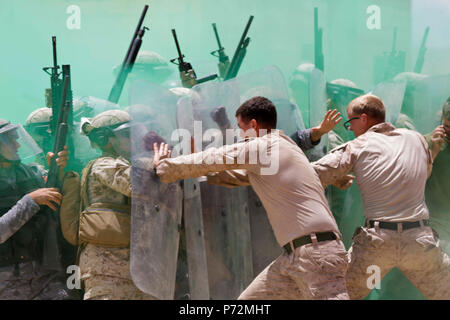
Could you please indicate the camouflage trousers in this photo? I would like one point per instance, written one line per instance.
(442, 227)
(313, 271)
(26, 281)
(415, 252)
(105, 273)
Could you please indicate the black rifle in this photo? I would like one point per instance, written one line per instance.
(395, 60)
(187, 73)
(422, 50)
(52, 251)
(129, 60)
(56, 86)
(318, 48)
(224, 61)
(239, 54)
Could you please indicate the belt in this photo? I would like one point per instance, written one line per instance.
(398, 225)
(323, 236)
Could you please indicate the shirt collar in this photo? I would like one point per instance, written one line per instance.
(382, 127)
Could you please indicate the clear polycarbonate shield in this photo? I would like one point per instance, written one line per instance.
(86, 108)
(426, 101)
(230, 237)
(391, 93)
(156, 207)
(317, 110)
(16, 144)
(90, 106)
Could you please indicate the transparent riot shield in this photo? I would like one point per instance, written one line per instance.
(225, 221)
(391, 93)
(426, 101)
(156, 207)
(16, 144)
(238, 235)
(86, 108)
(317, 110)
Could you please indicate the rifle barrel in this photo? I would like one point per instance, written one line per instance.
(425, 37)
(217, 36)
(180, 56)
(394, 40)
(316, 19)
(141, 20)
(55, 63)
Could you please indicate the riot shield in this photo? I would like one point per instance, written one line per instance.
(426, 101)
(86, 108)
(226, 227)
(237, 240)
(317, 110)
(156, 207)
(391, 93)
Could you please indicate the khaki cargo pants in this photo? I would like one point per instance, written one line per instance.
(416, 252)
(312, 271)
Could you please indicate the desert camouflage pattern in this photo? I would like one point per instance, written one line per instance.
(314, 271)
(416, 252)
(105, 272)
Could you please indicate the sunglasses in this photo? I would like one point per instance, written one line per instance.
(347, 123)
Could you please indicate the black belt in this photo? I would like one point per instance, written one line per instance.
(394, 225)
(323, 236)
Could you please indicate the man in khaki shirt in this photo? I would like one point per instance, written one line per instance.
(314, 262)
(391, 167)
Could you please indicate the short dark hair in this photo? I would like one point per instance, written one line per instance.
(150, 138)
(261, 109)
(370, 105)
(446, 109)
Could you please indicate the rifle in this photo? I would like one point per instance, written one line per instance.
(187, 73)
(55, 97)
(318, 47)
(52, 251)
(129, 60)
(55, 87)
(422, 50)
(239, 54)
(224, 61)
(396, 60)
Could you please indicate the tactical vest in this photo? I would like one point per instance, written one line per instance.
(103, 224)
(26, 243)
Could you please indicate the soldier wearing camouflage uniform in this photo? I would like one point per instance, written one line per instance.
(105, 271)
(22, 225)
(438, 185)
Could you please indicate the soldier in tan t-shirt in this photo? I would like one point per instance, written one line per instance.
(391, 167)
(314, 262)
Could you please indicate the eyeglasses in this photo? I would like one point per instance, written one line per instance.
(347, 123)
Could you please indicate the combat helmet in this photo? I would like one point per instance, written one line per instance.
(106, 125)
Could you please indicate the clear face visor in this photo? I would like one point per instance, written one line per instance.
(17, 144)
(121, 141)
